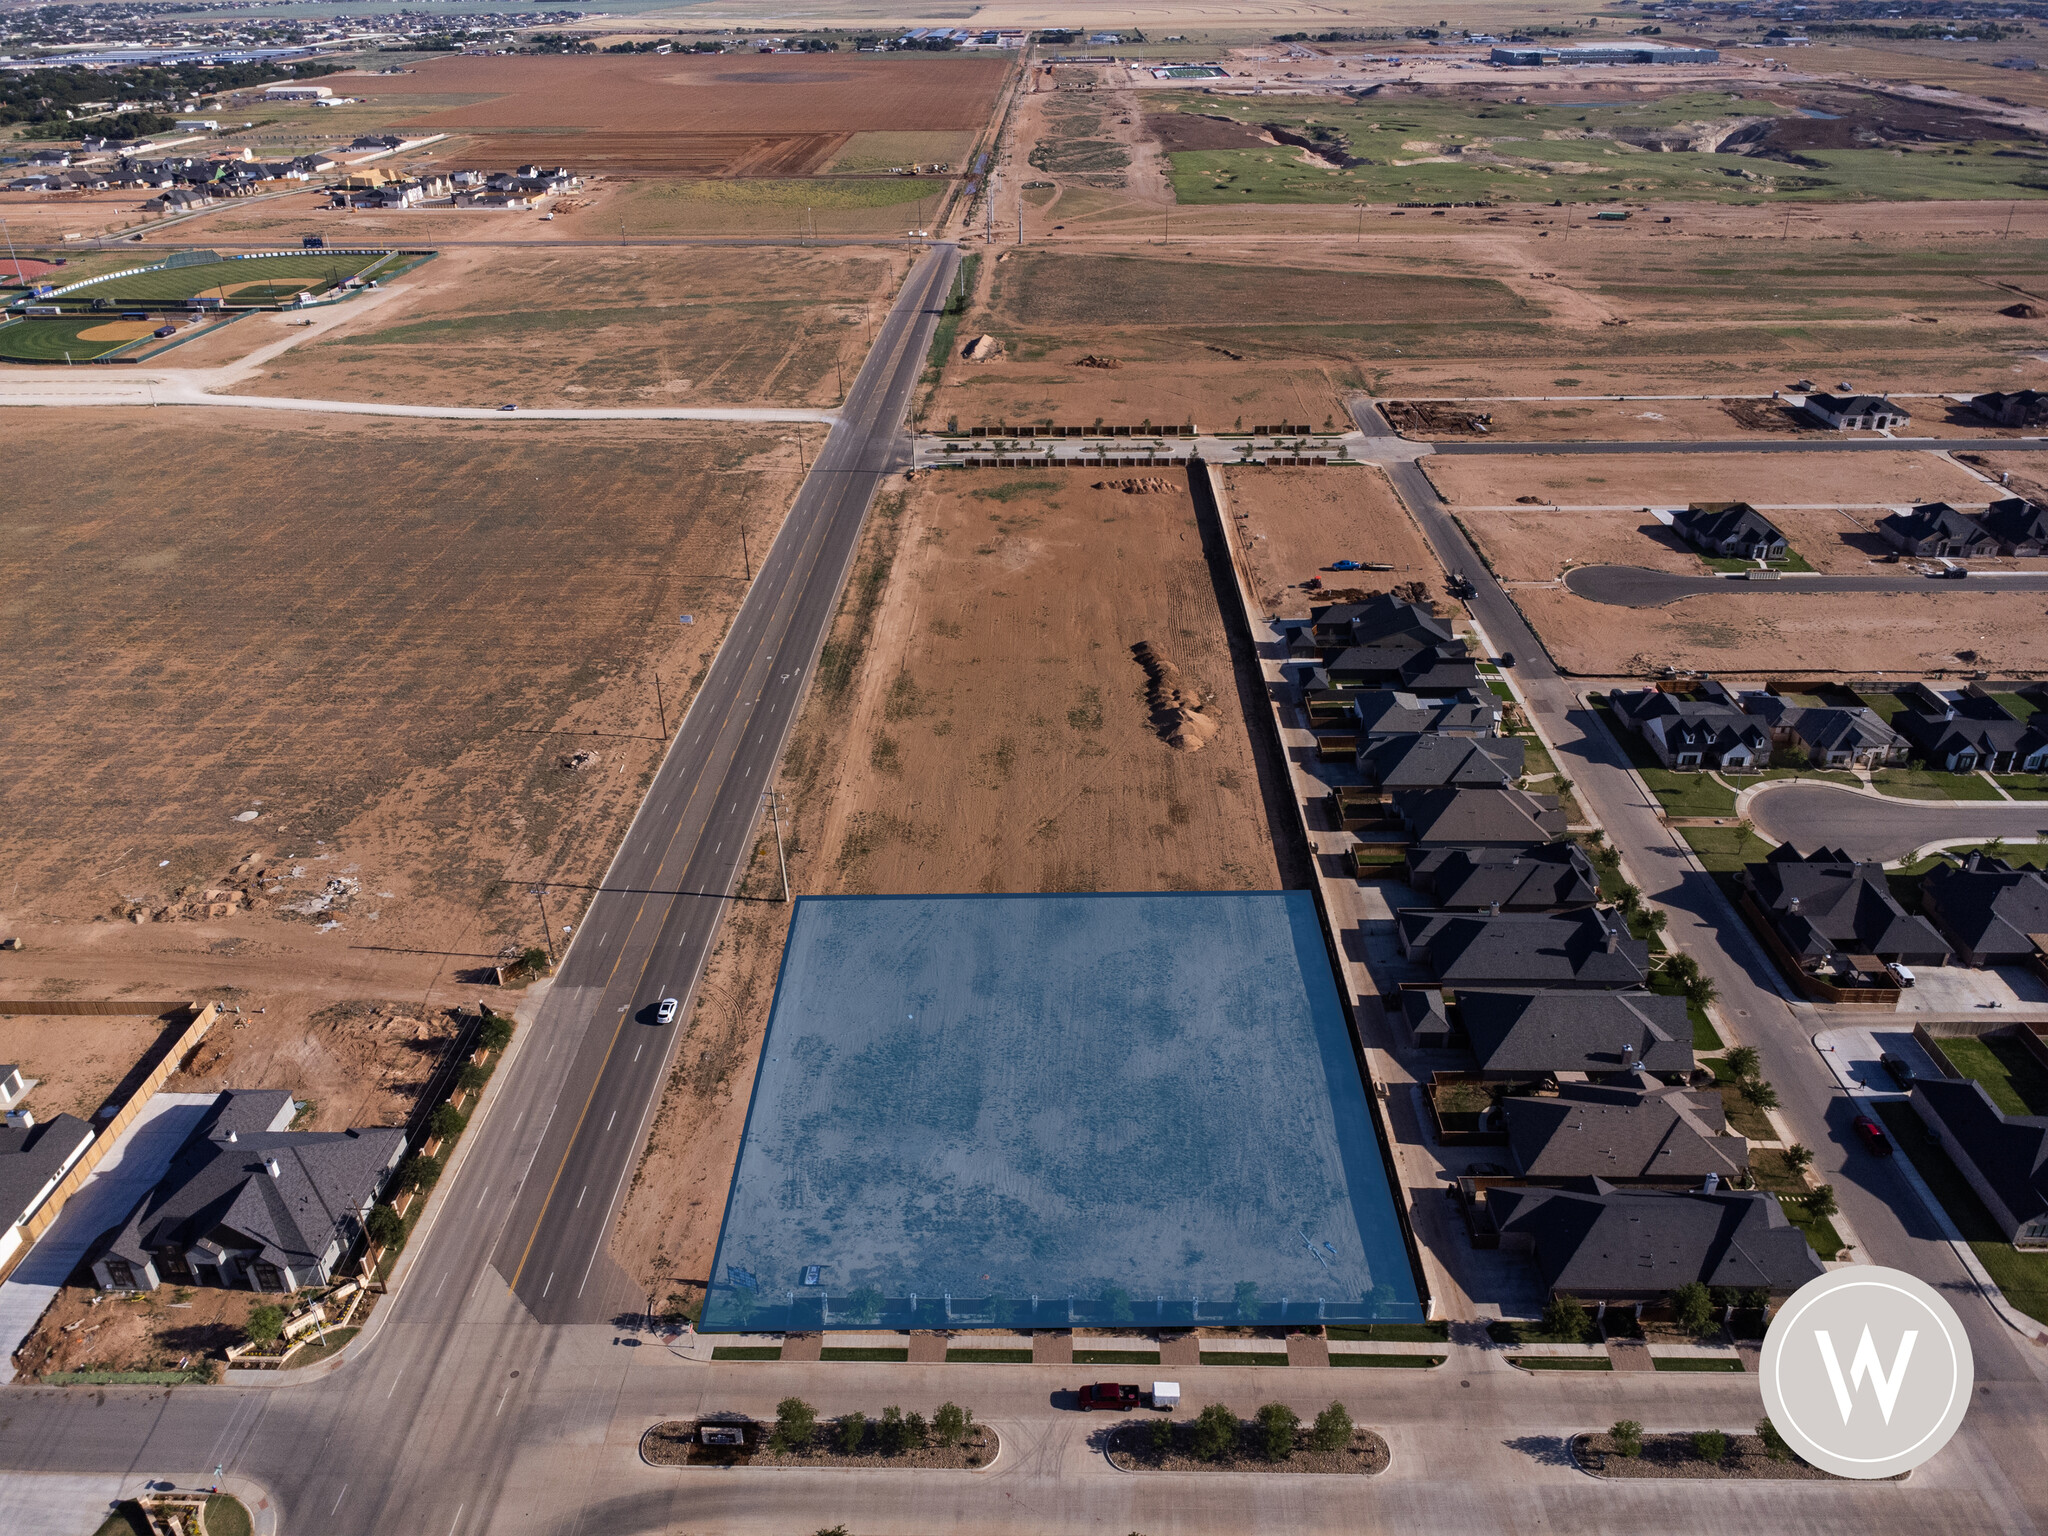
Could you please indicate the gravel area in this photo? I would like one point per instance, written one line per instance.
(675, 1444)
(1127, 1447)
(1673, 1456)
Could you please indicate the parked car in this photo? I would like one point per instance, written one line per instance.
(508, 407)
(666, 1013)
(165, 330)
(1902, 974)
(1109, 1394)
(1900, 1069)
(1872, 1135)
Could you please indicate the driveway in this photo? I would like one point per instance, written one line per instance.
(1880, 827)
(1636, 586)
(1855, 1054)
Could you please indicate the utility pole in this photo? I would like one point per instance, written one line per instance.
(801, 467)
(2009, 207)
(744, 556)
(1020, 215)
(540, 894)
(659, 705)
(774, 816)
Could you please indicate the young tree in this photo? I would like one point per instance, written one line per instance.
(1744, 1062)
(1701, 991)
(471, 1078)
(1774, 1443)
(1627, 1436)
(1693, 1308)
(915, 1429)
(1797, 1157)
(892, 1435)
(265, 1324)
(445, 1121)
(1565, 1318)
(1333, 1429)
(1215, 1433)
(418, 1172)
(1760, 1093)
(384, 1225)
(950, 1424)
(1278, 1424)
(1710, 1445)
(495, 1033)
(853, 1432)
(796, 1425)
(1820, 1201)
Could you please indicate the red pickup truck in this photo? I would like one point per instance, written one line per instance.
(1110, 1394)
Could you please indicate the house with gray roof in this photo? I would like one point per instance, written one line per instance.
(1346, 721)
(1439, 762)
(2012, 408)
(247, 1203)
(1987, 909)
(2019, 525)
(34, 1158)
(1546, 877)
(1856, 413)
(1965, 733)
(1477, 818)
(1583, 950)
(1646, 1135)
(1518, 1035)
(1601, 1243)
(1830, 737)
(1730, 528)
(2003, 1157)
(1934, 530)
(1825, 903)
(1692, 733)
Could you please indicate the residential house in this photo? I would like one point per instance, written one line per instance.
(247, 1203)
(1858, 413)
(1626, 1135)
(2019, 525)
(1826, 903)
(1987, 910)
(1383, 643)
(1545, 877)
(1692, 733)
(1344, 719)
(1830, 737)
(1394, 763)
(2016, 408)
(1602, 1244)
(1937, 530)
(1969, 732)
(1585, 950)
(1730, 528)
(34, 1158)
(1477, 818)
(1517, 1035)
(2003, 1157)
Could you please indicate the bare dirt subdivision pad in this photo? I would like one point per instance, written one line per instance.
(1129, 1448)
(76, 1062)
(1539, 543)
(1679, 479)
(1668, 1456)
(1295, 522)
(1771, 633)
(678, 1444)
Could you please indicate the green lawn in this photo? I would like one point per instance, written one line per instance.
(829, 1353)
(1774, 1174)
(1561, 1362)
(1116, 1357)
(2018, 705)
(2023, 1277)
(746, 1352)
(1704, 1036)
(49, 341)
(2024, 786)
(988, 1356)
(1688, 794)
(226, 1516)
(1695, 1363)
(1391, 1333)
(281, 276)
(2017, 1083)
(1385, 1362)
(1931, 784)
(1884, 705)
(1226, 1357)
(1724, 850)
(1511, 1332)
(1793, 562)
(1744, 1118)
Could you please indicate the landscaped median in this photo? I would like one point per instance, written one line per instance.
(950, 1442)
(1273, 1440)
(1710, 1455)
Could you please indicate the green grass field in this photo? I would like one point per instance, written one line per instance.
(1427, 152)
(48, 341)
(279, 279)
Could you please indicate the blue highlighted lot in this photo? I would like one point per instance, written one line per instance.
(1053, 1111)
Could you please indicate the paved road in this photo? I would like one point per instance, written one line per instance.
(1635, 586)
(648, 933)
(1751, 445)
(1874, 827)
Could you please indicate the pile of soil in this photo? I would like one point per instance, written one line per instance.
(1147, 485)
(1673, 1456)
(1130, 1449)
(981, 349)
(2022, 311)
(1177, 713)
(1092, 361)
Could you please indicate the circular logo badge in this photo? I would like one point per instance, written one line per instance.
(1866, 1372)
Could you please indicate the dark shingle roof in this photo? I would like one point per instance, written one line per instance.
(2010, 1152)
(1530, 1034)
(1515, 949)
(2016, 520)
(1477, 817)
(1596, 1240)
(1590, 1130)
(1824, 904)
(31, 1157)
(1989, 910)
(1396, 712)
(1433, 761)
(1712, 524)
(1543, 877)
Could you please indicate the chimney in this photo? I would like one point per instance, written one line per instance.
(1628, 1058)
(1493, 909)
(1614, 938)
(1712, 1185)
(270, 1166)
(1976, 858)
(233, 1137)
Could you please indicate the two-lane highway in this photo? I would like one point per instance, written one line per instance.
(649, 931)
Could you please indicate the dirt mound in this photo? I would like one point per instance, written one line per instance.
(2022, 311)
(1149, 485)
(1092, 361)
(1178, 713)
(981, 349)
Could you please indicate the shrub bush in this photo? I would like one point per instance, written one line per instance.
(1159, 1434)
(1710, 1445)
(796, 1425)
(1565, 1317)
(1774, 1443)
(1277, 1426)
(418, 1172)
(853, 1433)
(265, 1324)
(951, 1424)
(445, 1121)
(384, 1225)
(471, 1078)
(1333, 1429)
(1693, 1308)
(1214, 1434)
(1627, 1436)
(495, 1033)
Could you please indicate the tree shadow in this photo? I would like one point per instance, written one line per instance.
(1545, 1450)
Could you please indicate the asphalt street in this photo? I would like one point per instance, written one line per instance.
(1874, 827)
(1635, 586)
(650, 929)
(1757, 445)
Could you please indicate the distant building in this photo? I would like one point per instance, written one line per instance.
(2017, 408)
(1604, 53)
(1732, 528)
(1988, 910)
(1935, 529)
(1859, 413)
(1969, 732)
(2004, 1158)
(296, 92)
(2020, 526)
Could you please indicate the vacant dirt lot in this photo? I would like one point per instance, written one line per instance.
(380, 642)
(979, 723)
(171, 1329)
(1293, 522)
(553, 327)
(676, 114)
(1849, 633)
(1678, 479)
(76, 1062)
(1540, 544)
(1613, 421)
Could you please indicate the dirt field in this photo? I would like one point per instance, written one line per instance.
(383, 639)
(1678, 479)
(993, 735)
(1613, 421)
(1540, 544)
(1850, 633)
(640, 115)
(1293, 522)
(166, 1330)
(597, 328)
(75, 1061)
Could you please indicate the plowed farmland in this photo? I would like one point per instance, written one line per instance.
(647, 115)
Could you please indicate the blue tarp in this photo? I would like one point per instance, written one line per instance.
(1019, 1111)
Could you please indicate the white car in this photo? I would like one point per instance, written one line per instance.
(666, 1013)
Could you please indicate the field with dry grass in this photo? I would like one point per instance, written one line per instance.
(1679, 479)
